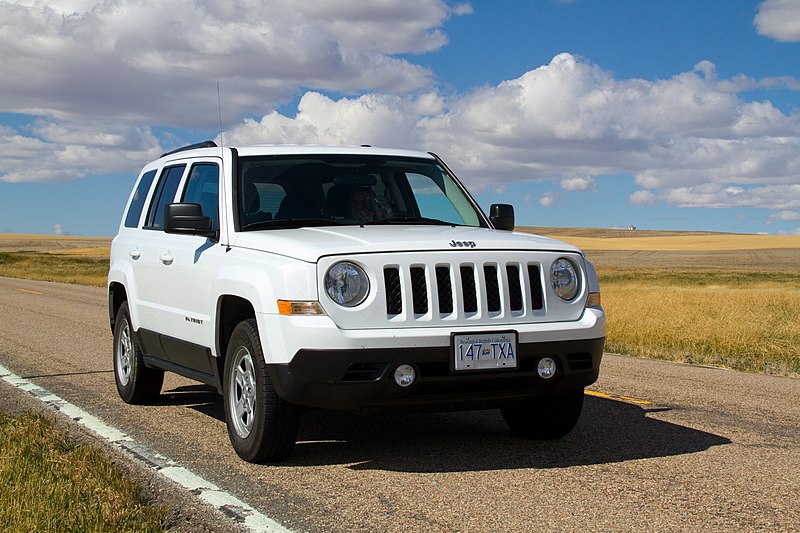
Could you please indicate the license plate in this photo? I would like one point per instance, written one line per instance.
(485, 351)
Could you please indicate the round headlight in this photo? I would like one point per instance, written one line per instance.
(347, 284)
(564, 279)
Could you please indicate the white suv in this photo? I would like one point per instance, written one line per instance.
(352, 278)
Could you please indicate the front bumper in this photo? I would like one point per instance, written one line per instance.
(363, 379)
(314, 363)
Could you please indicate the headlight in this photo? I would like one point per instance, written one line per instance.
(347, 284)
(564, 279)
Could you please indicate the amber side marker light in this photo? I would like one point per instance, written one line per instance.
(593, 300)
(290, 308)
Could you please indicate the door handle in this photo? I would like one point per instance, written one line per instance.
(166, 258)
(135, 254)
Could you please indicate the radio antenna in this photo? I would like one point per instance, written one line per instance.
(219, 109)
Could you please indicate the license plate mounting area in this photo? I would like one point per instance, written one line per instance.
(485, 351)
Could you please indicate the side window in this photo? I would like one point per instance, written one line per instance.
(137, 202)
(432, 200)
(202, 187)
(164, 194)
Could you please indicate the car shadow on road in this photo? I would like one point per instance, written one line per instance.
(202, 398)
(609, 431)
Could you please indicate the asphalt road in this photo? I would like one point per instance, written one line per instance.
(706, 449)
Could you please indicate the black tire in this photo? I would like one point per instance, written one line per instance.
(136, 383)
(262, 426)
(545, 417)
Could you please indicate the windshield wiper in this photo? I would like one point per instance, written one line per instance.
(410, 220)
(290, 223)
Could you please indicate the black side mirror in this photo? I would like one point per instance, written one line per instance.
(188, 219)
(502, 216)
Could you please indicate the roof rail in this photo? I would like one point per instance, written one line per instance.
(205, 144)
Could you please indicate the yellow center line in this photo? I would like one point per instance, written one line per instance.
(608, 396)
(29, 292)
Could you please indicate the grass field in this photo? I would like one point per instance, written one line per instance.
(709, 298)
(49, 483)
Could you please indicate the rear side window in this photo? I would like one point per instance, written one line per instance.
(165, 194)
(137, 202)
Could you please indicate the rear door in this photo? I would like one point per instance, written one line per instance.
(146, 250)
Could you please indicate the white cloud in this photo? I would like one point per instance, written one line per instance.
(689, 140)
(61, 151)
(779, 19)
(380, 120)
(785, 216)
(547, 200)
(58, 229)
(141, 61)
(772, 197)
(578, 183)
(642, 198)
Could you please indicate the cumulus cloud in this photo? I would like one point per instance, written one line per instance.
(547, 200)
(689, 140)
(62, 151)
(785, 215)
(642, 198)
(779, 19)
(158, 62)
(376, 119)
(578, 183)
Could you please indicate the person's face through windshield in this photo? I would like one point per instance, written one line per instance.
(360, 205)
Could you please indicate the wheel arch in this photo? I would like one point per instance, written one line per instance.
(117, 295)
(231, 310)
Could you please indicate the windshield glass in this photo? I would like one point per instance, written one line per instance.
(322, 190)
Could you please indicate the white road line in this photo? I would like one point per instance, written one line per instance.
(206, 491)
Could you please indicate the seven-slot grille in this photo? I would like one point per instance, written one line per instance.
(466, 289)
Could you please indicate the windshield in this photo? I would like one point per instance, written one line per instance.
(323, 190)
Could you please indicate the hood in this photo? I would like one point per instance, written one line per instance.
(310, 244)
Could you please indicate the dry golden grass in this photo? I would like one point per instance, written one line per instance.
(745, 320)
(101, 251)
(689, 243)
(17, 242)
(53, 267)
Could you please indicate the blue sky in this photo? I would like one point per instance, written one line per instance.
(660, 114)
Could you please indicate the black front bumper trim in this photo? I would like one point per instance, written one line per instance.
(363, 379)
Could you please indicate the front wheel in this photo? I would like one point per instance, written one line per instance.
(545, 417)
(262, 426)
(136, 383)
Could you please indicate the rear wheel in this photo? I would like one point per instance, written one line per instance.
(545, 417)
(262, 427)
(135, 382)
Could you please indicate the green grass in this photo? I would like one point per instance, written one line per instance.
(50, 483)
(53, 267)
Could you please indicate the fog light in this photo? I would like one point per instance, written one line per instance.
(405, 375)
(546, 368)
